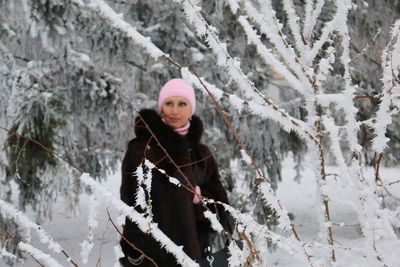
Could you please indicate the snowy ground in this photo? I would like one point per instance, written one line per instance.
(299, 199)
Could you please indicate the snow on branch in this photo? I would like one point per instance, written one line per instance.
(280, 116)
(340, 18)
(390, 62)
(311, 16)
(269, 25)
(87, 245)
(293, 21)
(39, 255)
(269, 57)
(272, 110)
(116, 20)
(224, 59)
(291, 245)
(352, 126)
(5, 253)
(333, 133)
(144, 224)
(8, 211)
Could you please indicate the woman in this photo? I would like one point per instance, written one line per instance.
(177, 211)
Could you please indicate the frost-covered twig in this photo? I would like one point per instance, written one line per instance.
(129, 242)
(101, 243)
(144, 224)
(224, 59)
(268, 56)
(42, 258)
(273, 111)
(311, 17)
(17, 163)
(321, 181)
(290, 244)
(116, 20)
(390, 61)
(87, 245)
(269, 25)
(352, 127)
(362, 52)
(8, 211)
(287, 122)
(263, 184)
(293, 21)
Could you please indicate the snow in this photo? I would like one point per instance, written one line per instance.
(297, 198)
(358, 217)
(117, 21)
(43, 258)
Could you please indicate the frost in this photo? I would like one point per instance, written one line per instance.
(43, 258)
(215, 224)
(245, 157)
(7, 211)
(107, 12)
(174, 181)
(118, 254)
(86, 249)
(5, 253)
(298, 53)
(142, 222)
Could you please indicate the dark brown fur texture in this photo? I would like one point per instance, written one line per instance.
(181, 220)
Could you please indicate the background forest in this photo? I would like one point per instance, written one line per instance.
(292, 77)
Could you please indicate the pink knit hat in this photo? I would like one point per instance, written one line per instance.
(177, 87)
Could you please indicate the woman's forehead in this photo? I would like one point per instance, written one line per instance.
(176, 99)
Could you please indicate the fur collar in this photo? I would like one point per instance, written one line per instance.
(172, 141)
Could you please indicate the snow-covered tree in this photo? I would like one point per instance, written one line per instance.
(285, 76)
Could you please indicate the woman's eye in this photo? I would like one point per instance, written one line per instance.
(168, 103)
(182, 104)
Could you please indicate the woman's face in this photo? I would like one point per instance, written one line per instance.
(176, 111)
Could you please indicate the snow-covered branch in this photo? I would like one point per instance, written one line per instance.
(269, 25)
(280, 116)
(144, 224)
(294, 21)
(117, 21)
(8, 211)
(269, 57)
(38, 255)
(311, 16)
(390, 61)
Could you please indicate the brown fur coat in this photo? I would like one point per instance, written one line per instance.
(181, 220)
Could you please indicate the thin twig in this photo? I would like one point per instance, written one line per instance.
(395, 182)
(260, 175)
(377, 167)
(254, 254)
(45, 148)
(318, 126)
(13, 237)
(52, 152)
(98, 264)
(370, 97)
(189, 185)
(377, 255)
(17, 163)
(367, 46)
(130, 243)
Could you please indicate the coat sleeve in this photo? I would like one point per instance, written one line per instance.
(214, 189)
(133, 158)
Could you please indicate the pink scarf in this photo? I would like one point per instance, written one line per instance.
(183, 130)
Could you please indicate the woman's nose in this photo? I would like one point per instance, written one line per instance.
(175, 109)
